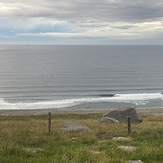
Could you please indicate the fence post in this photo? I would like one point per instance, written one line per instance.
(49, 122)
(129, 124)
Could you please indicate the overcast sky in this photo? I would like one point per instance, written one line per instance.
(81, 22)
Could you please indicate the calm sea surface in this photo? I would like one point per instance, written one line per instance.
(39, 77)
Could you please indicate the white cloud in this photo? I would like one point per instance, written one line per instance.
(6, 8)
(105, 29)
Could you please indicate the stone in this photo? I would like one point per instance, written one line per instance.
(108, 120)
(73, 125)
(134, 161)
(72, 139)
(122, 114)
(127, 148)
(33, 150)
(95, 152)
(121, 139)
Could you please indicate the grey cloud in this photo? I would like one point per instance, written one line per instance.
(105, 10)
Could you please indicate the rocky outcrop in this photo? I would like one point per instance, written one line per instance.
(122, 114)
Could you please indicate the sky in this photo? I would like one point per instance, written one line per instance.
(81, 22)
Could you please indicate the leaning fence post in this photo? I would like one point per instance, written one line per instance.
(49, 122)
(129, 124)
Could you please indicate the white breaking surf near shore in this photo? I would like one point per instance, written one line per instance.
(136, 99)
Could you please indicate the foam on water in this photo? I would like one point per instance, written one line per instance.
(137, 99)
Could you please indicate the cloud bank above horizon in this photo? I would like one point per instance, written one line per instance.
(81, 22)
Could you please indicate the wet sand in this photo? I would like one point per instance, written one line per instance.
(156, 111)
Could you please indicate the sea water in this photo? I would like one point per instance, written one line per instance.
(41, 77)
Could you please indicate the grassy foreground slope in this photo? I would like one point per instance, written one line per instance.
(18, 133)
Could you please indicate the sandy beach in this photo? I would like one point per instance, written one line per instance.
(156, 111)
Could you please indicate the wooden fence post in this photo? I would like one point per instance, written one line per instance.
(49, 122)
(129, 124)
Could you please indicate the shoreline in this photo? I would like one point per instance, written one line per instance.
(156, 111)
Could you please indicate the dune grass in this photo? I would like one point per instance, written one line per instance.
(18, 133)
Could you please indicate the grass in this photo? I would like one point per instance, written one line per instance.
(20, 132)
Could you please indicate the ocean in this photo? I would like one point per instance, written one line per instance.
(42, 77)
